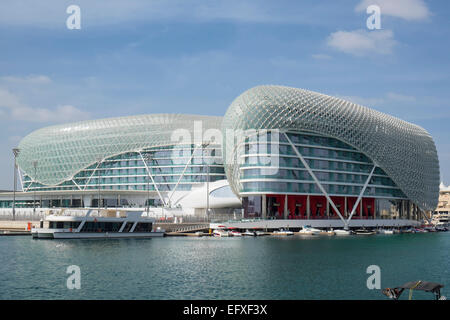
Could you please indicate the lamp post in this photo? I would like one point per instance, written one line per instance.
(35, 163)
(204, 145)
(148, 157)
(99, 160)
(16, 153)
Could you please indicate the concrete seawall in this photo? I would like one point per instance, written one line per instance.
(17, 225)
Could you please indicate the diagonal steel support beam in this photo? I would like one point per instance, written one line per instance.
(93, 172)
(76, 184)
(151, 177)
(20, 178)
(305, 164)
(361, 194)
(184, 170)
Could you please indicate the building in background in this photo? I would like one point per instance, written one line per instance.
(336, 160)
(441, 215)
(287, 156)
(138, 161)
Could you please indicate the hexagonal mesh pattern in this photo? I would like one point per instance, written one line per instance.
(406, 152)
(63, 150)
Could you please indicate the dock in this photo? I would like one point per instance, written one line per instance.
(16, 228)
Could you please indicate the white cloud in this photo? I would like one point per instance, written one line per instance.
(11, 107)
(405, 9)
(362, 42)
(30, 79)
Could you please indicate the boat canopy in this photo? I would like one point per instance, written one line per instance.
(434, 287)
(422, 285)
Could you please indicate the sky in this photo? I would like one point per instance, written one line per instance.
(196, 56)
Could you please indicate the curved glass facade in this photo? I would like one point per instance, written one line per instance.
(291, 154)
(341, 169)
(56, 154)
(128, 171)
(344, 142)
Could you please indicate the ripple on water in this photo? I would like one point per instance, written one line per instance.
(211, 268)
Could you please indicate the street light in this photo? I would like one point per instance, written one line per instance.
(148, 157)
(35, 163)
(16, 153)
(99, 160)
(204, 145)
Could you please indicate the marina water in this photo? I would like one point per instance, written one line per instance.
(294, 267)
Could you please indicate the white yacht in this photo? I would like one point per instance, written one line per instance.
(441, 219)
(259, 233)
(364, 232)
(282, 232)
(220, 233)
(385, 231)
(249, 233)
(308, 230)
(342, 232)
(97, 224)
(235, 233)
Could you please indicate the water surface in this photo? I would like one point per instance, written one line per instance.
(221, 268)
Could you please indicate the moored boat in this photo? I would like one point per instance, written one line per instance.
(342, 232)
(364, 232)
(282, 232)
(385, 231)
(308, 230)
(97, 224)
(249, 233)
(220, 233)
(259, 233)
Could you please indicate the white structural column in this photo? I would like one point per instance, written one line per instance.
(305, 164)
(361, 195)
(151, 177)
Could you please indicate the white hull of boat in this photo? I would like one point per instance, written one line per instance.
(95, 235)
(283, 233)
(342, 232)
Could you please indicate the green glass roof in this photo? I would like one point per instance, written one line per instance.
(62, 151)
(405, 151)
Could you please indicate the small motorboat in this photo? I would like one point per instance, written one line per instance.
(364, 232)
(249, 233)
(282, 232)
(220, 233)
(342, 232)
(433, 287)
(385, 231)
(235, 233)
(308, 230)
(259, 233)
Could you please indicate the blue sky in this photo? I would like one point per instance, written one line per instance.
(180, 56)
